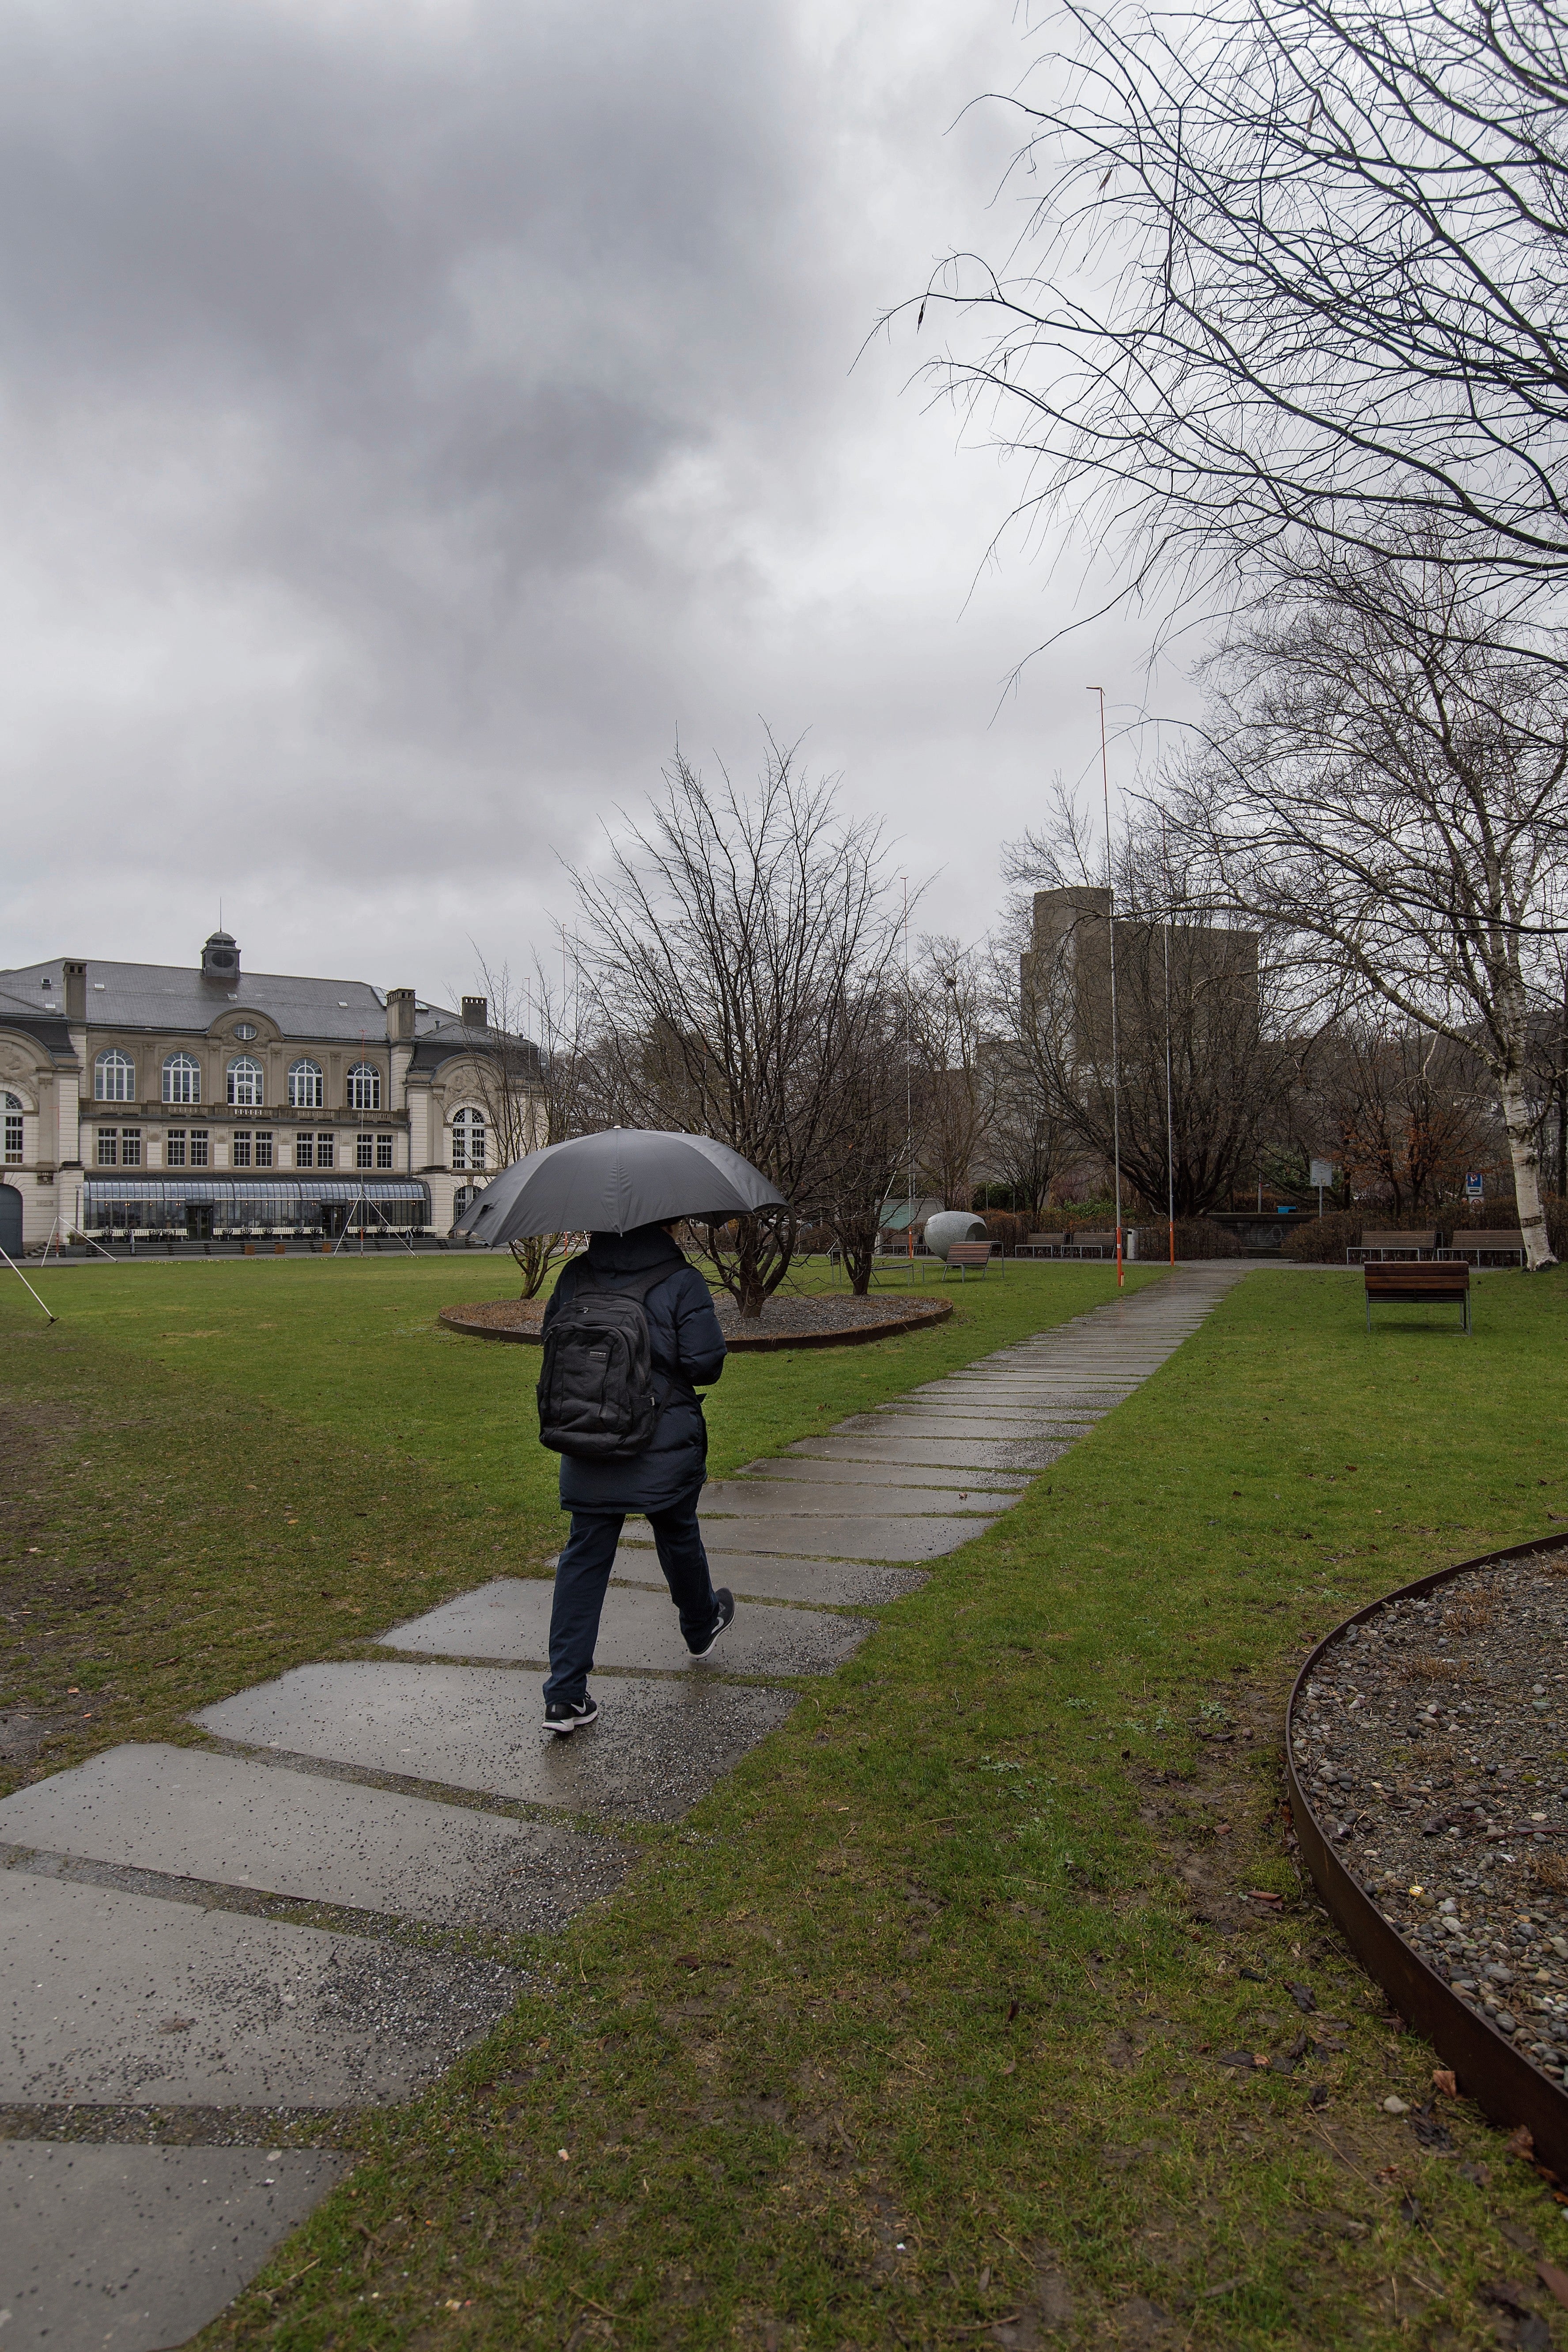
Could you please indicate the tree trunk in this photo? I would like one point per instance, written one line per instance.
(1526, 1158)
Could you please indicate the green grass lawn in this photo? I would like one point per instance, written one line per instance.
(906, 2034)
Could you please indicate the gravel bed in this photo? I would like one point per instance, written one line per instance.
(1432, 1744)
(787, 1316)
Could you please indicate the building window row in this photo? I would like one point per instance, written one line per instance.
(249, 1147)
(14, 1111)
(114, 1080)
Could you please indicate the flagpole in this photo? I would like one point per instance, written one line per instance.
(1111, 928)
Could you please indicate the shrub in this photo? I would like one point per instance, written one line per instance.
(1197, 1237)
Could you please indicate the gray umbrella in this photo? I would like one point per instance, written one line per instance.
(608, 1184)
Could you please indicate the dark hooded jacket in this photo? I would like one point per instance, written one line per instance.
(688, 1350)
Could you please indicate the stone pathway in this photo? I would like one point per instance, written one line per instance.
(232, 1930)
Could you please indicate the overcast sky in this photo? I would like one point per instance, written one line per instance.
(413, 416)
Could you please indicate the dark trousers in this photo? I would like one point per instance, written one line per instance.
(583, 1576)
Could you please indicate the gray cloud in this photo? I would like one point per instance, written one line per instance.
(410, 415)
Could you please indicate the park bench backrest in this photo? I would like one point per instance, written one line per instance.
(1400, 1241)
(1094, 1241)
(1433, 1275)
(968, 1252)
(1478, 1240)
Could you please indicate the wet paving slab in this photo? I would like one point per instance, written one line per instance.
(133, 2249)
(108, 1996)
(228, 1820)
(511, 1619)
(937, 1452)
(777, 1576)
(1001, 1484)
(659, 1744)
(750, 1497)
(871, 1537)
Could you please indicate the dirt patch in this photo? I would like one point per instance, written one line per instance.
(836, 1321)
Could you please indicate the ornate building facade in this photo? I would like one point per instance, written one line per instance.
(154, 1099)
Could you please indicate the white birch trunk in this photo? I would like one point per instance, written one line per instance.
(1521, 1131)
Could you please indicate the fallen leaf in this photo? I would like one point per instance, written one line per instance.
(1553, 2279)
(1443, 2080)
(1521, 2143)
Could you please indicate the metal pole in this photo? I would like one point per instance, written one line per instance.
(1170, 1109)
(1110, 927)
(27, 1286)
(908, 1089)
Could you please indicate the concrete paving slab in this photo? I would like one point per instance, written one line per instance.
(116, 1998)
(933, 1453)
(221, 1818)
(133, 2249)
(658, 1747)
(815, 1471)
(847, 1538)
(964, 1424)
(511, 1619)
(734, 1499)
(767, 1575)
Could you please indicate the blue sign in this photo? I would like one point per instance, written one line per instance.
(1475, 1188)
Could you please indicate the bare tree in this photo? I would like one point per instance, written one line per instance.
(736, 948)
(953, 1072)
(1383, 785)
(1408, 1113)
(1191, 1059)
(1289, 267)
(871, 1128)
(537, 1080)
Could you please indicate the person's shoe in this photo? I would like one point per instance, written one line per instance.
(562, 1715)
(723, 1617)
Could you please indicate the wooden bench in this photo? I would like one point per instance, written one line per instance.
(1415, 1285)
(1091, 1245)
(1387, 1245)
(1474, 1246)
(964, 1255)
(1041, 1246)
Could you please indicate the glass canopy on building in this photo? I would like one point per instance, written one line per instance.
(220, 1204)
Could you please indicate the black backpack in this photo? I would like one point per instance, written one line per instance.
(597, 1399)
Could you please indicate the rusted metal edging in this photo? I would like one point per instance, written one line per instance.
(1507, 2087)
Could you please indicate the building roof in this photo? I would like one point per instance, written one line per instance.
(175, 997)
(52, 1034)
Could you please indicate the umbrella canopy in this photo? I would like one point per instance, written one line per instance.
(609, 1183)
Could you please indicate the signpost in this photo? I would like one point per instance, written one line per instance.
(1320, 1174)
(1475, 1187)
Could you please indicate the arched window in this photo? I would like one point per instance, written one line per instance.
(114, 1077)
(245, 1083)
(182, 1079)
(305, 1085)
(13, 1110)
(469, 1139)
(364, 1087)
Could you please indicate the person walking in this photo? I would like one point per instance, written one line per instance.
(659, 1475)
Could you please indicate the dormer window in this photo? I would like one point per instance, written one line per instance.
(245, 1031)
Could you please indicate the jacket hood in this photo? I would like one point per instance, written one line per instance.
(633, 1252)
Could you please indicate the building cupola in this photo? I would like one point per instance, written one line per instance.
(220, 960)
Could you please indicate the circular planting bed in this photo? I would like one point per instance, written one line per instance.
(1428, 1744)
(836, 1321)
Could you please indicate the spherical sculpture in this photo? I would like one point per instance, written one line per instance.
(950, 1226)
